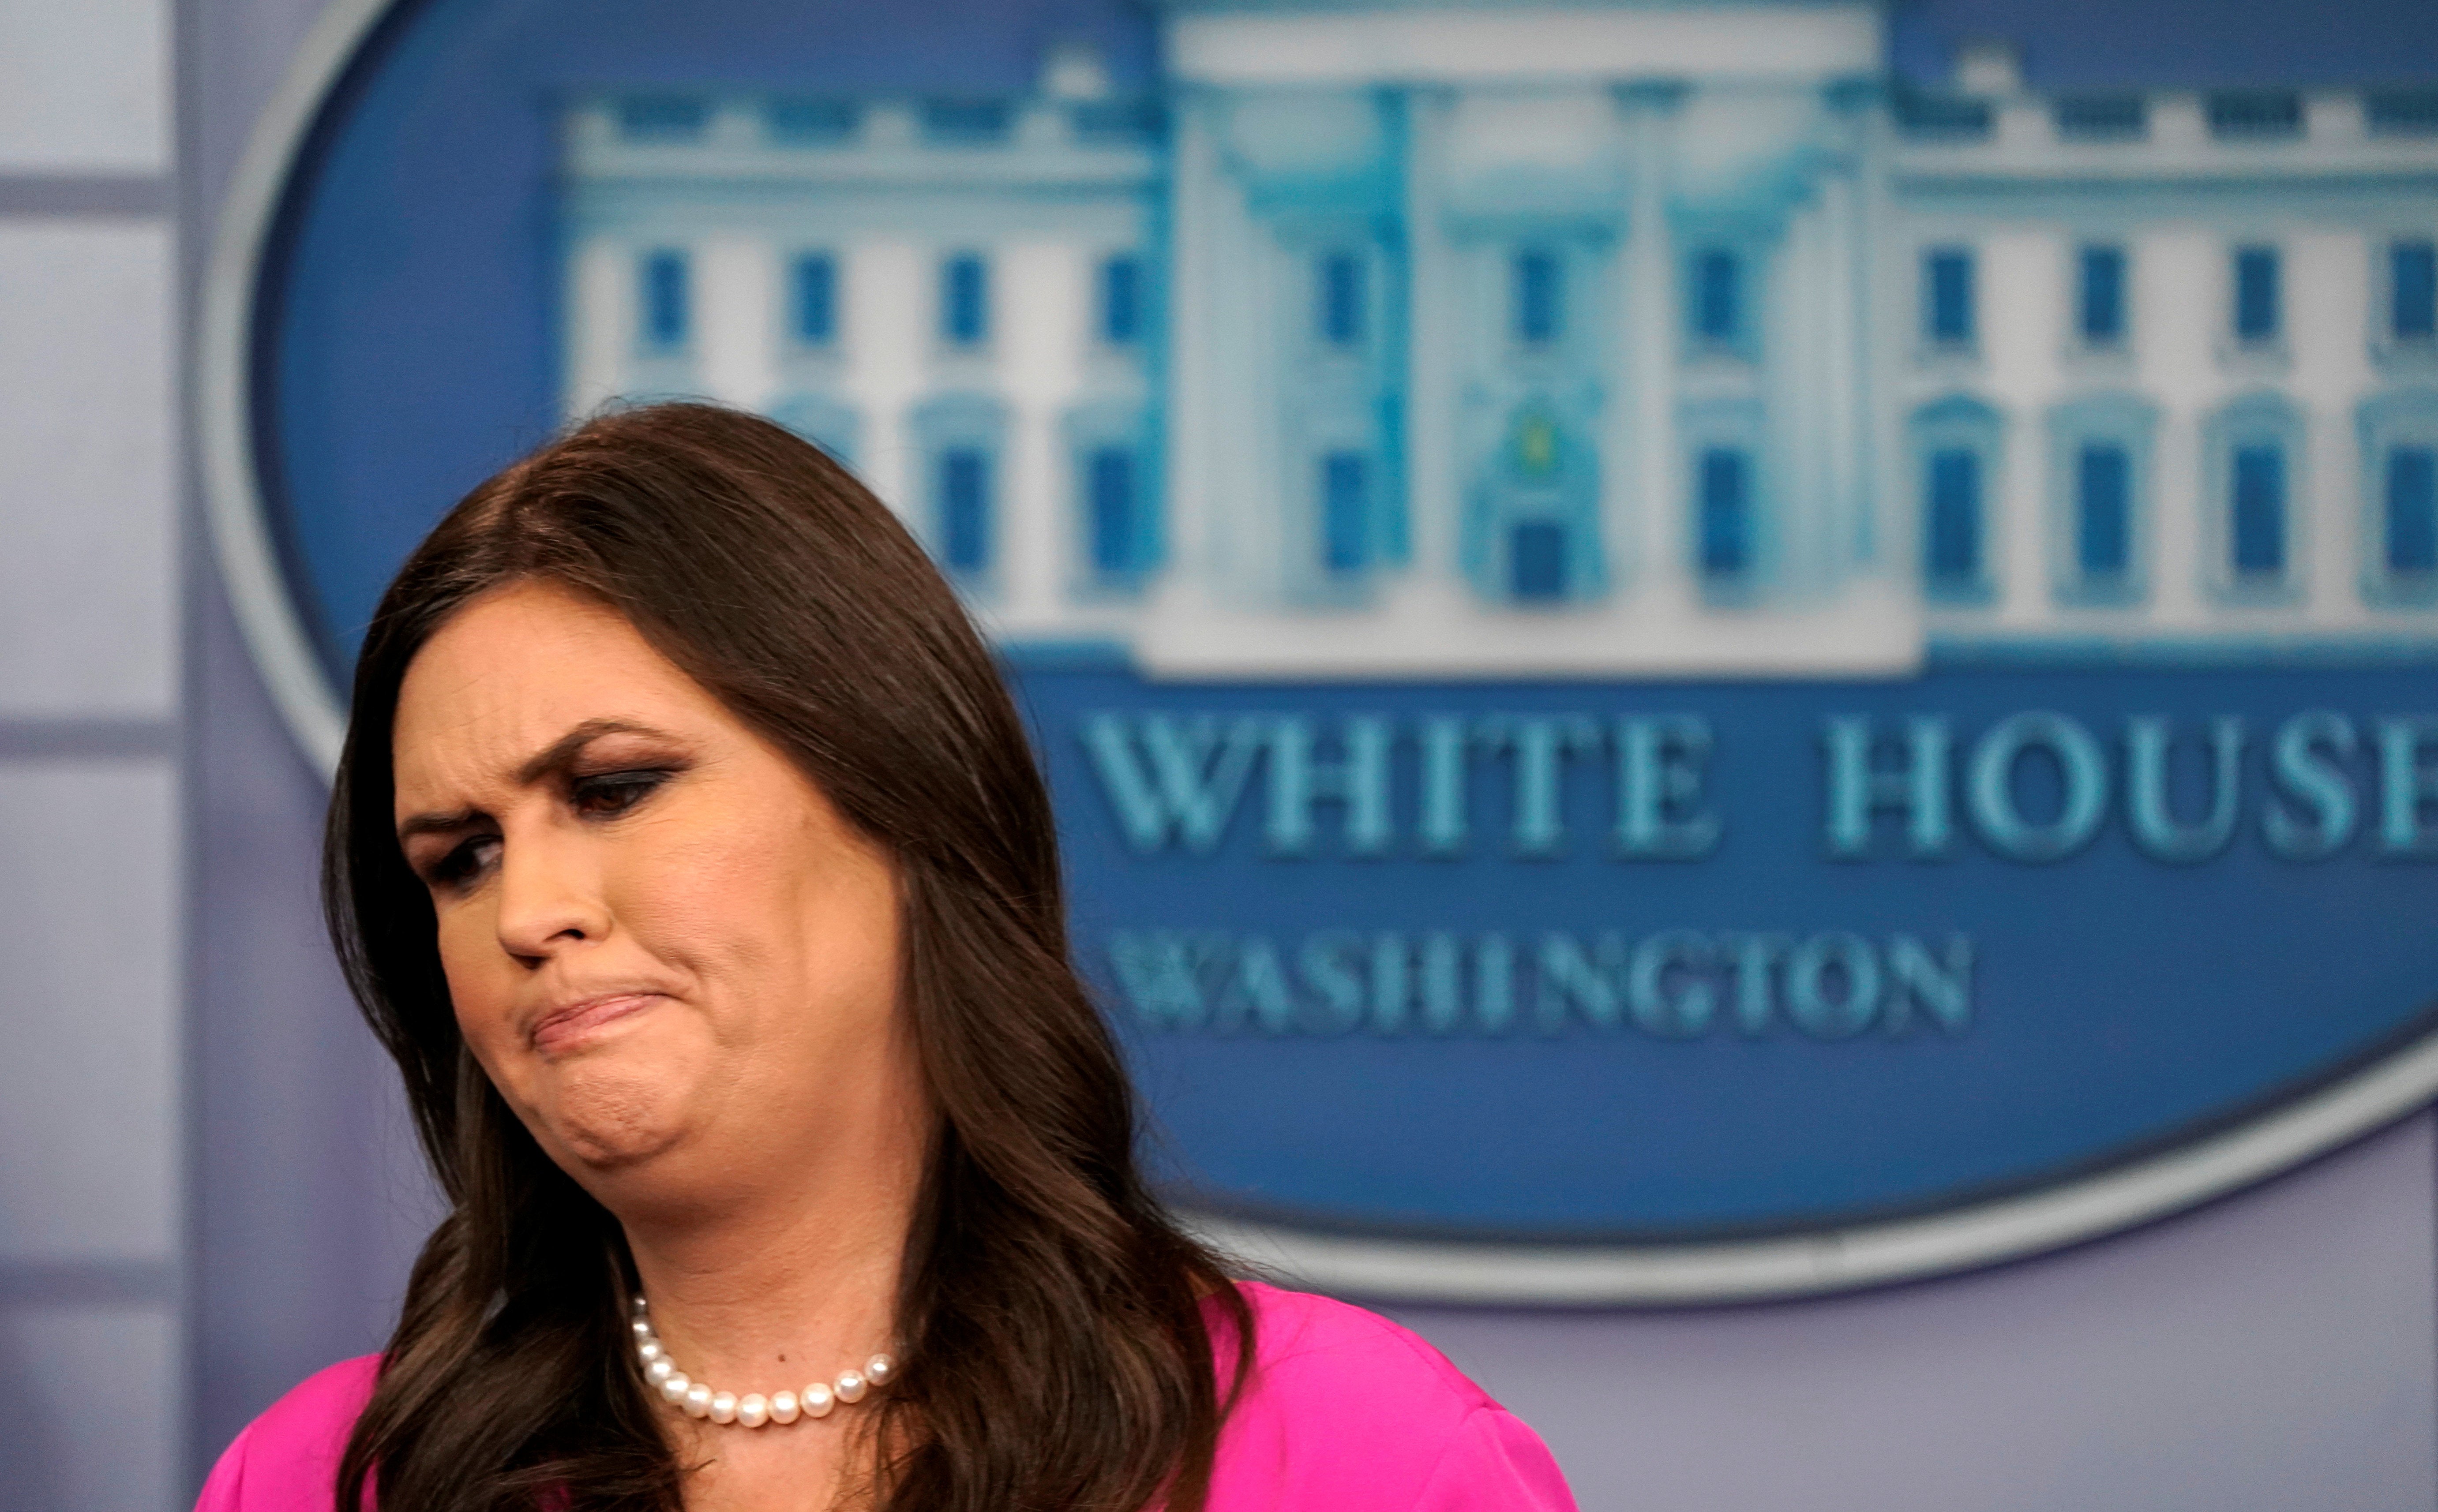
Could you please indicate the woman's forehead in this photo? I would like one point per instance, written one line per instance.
(519, 667)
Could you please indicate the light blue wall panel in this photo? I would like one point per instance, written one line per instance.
(89, 1166)
(84, 88)
(87, 606)
(2270, 1352)
(90, 1398)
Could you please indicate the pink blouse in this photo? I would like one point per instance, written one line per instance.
(1346, 1412)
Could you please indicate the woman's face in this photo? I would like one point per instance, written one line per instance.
(678, 962)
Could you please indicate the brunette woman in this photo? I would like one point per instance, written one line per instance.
(688, 856)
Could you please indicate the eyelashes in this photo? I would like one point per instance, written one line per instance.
(464, 862)
(607, 795)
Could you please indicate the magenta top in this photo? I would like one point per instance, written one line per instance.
(1344, 1412)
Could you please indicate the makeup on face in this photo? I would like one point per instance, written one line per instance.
(662, 941)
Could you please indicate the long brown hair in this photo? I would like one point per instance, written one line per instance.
(1050, 1307)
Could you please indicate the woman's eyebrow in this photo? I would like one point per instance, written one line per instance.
(437, 823)
(559, 754)
(554, 758)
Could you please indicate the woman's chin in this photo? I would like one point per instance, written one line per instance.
(609, 1119)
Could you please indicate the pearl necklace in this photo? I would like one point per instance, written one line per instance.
(753, 1409)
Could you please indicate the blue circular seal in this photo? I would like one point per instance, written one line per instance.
(1660, 689)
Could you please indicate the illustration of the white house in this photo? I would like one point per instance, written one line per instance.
(1400, 339)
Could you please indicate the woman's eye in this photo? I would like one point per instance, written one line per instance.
(467, 861)
(611, 794)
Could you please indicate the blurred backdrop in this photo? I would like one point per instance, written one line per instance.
(1743, 692)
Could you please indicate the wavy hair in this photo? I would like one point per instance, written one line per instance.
(1053, 1310)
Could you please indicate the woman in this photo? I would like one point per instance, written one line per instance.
(688, 856)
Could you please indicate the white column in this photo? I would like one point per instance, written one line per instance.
(1799, 378)
(1845, 403)
(1434, 348)
(1649, 510)
(737, 320)
(1043, 298)
(2330, 295)
(601, 324)
(1881, 278)
(2178, 312)
(886, 299)
(1222, 473)
(1185, 433)
(2024, 305)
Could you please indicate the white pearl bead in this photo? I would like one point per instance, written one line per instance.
(752, 1409)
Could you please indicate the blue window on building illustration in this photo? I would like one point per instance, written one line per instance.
(812, 122)
(662, 117)
(1951, 521)
(665, 297)
(1723, 524)
(1121, 301)
(1539, 297)
(2401, 112)
(965, 523)
(2101, 117)
(2412, 290)
(2257, 312)
(1718, 296)
(813, 285)
(964, 300)
(1118, 121)
(2102, 305)
(1345, 513)
(2255, 113)
(2257, 524)
(2096, 480)
(1536, 561)
(1339, 295)
(1935, 115)
(2412, 524)
(1113, 508)
(967, 122)
(2103, 511)
(1946, 296)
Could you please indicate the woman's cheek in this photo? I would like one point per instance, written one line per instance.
(474, 987)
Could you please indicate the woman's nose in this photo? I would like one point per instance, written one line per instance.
(550, 899)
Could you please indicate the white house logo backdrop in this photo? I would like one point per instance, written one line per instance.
(1675, 667)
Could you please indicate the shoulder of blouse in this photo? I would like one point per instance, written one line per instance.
(1303, 1343)
(1347, 1411)
(287, 1460)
